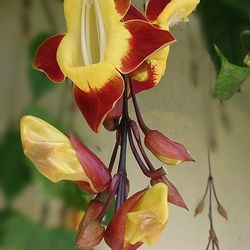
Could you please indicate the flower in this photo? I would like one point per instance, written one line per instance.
(140, 220)
(162, 14)
(96, 50)
(166, 150)
(59, 158)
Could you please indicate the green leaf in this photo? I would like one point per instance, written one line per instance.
(23, 234)
(230, 79)
(223, 24)
(14, 174)
(38, 81)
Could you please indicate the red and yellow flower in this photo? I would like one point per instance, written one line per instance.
(140, 220)
(59, 158)
(162, 14)
(98, 47)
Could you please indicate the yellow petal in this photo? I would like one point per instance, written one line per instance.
(176, 11)
(50, 151)
(148, 217)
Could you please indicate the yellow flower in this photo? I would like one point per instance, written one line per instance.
(147, 219)
(58, 157)
(141, 219)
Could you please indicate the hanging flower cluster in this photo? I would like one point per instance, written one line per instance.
(111, 52)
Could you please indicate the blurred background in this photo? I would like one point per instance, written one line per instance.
(204, 96)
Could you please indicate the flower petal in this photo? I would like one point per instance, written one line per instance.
(105, 87)
(148, 217)
(122, 6)
(169, 12)
(94, 168)
(133, 13)
(114, 236)
(148, 74)
(51, 151)
(154, 8)
(45, 59)
(127, 51)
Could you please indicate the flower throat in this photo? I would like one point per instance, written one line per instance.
(92, 32)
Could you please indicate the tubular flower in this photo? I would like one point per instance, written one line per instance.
(141, 219)
(95, 50)
(166, 150)
(59, 158)
(163, 14)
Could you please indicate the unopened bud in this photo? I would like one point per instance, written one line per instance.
(166, 150)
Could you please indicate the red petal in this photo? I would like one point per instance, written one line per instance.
(96, 103)
(151, 80)
(145, 40)
(133, 13)
(114, 236)
(45, 59)
(92, 165)
(122, 6)
(155, 8)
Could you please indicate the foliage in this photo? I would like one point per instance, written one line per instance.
(226, 24)
(31, 234)
(14, 174)
(229, 80)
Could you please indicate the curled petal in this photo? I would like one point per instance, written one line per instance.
(169, 12)
(45, 59)
(166, 150)
(132, 51)
(90, 232)
(92, 165)
(148, 217)
(51, 151)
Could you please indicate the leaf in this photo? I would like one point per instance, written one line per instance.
(38, 81)
(14, 174)
(23, 234)
(230, 79)
(223, 22)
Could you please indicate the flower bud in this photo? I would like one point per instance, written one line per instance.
(166, 150)
(57, 158)
(140, 220)
(90, 232)
(221, 210)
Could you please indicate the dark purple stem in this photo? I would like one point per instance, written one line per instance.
(140, 120)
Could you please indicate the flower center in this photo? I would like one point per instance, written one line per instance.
(93, 37)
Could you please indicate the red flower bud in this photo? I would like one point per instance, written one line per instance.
(166, 150)
(90, 232)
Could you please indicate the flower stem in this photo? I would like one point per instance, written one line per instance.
(122, 162)
(140, 120)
